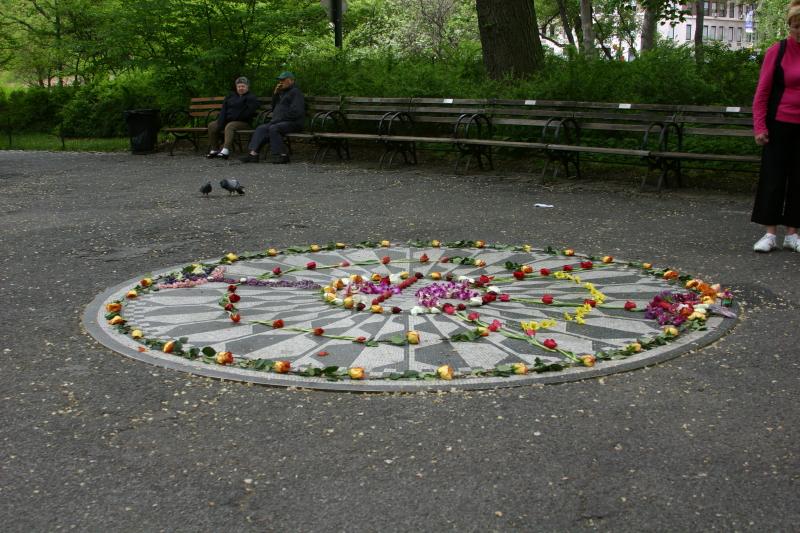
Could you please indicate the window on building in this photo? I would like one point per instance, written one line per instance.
(713, 33)
(713, 9)
(738, 35)
(730, 34)
(723, 9)
(689, 35)
(705, 32)
(720, 33)
(705, 8)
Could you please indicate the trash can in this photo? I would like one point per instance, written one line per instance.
(143, 126)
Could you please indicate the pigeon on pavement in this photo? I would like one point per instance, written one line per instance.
(205, 189)
(232, 186)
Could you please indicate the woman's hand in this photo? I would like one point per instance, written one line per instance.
(762, 139)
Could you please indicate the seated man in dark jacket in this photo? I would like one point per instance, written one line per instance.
(288, 115)
(238, 109)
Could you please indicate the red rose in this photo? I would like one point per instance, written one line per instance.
(231, 288)
(276, 271)
(361, 340)
(396, 310)
(544, 272)
(277, 323)
(519, 274)
(505, 297)
(484, 279)
(586, 265)
(360, 306)
(472, 317)
(311, 265)
(489, 297)
(344, 264)
(550, 344)
(567, 268)
(322, 353)
(423, 258)
(377, 301)
(386, 259)
(461, 307)
(418, 275)
(233, 297)
(495, 325)
(449, 276)
(630, 306)
(236, 317)
(444, 260)
(590, 302)
(318, 331)
(449, 309)
(547, 299)
(229, 307)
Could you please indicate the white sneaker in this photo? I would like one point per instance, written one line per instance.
(767, 243)
(792, 242)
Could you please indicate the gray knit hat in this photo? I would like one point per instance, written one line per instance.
(242, 79)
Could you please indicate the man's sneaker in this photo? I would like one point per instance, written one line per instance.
(212, 154)
(792, 242)
(766, 243)
(222, 156)
(249, 158)
(280, 159)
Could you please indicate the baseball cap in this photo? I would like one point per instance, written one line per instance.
(285, 74)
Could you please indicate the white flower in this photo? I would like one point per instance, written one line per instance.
(465, 278)
(475, 300)
(492, 288)
(242, 280)
(394, 278)
(337, 301)
(418, 310)
(435, 311)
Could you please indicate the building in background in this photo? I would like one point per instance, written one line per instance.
(729, 23)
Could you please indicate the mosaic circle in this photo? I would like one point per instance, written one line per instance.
(423, 315)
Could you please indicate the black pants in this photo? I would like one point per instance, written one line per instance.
(778, 195)
(274, 132)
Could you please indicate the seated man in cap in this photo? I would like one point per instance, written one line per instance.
(238, 109)
(288, 115)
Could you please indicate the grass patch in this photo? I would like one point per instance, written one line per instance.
(44, 141)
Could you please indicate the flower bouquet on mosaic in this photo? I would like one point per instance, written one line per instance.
(376, 310)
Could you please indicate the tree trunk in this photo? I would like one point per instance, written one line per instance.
(509, 37)
(586, 27)
(648, 40)
(562, 12)
(698, 33)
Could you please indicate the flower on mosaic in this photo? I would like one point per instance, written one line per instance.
(647, 266)
(146, 282)
(670, 274)
(461, 307)
(396, 310)
(480, 244)
(586, 265)
(588, 360)
(142, 349)
(114, 307)
(550, 344)
(544, 271)
(412, 337)
(323, 353)
(547, 299)
(224, 358)
(272, 252)
(472, 317)
(519, 368)
(519, 274)
(526, 248)
(116, 320)
(505, 297)
(386, 259)
(341, 245)
(435, 243)
(385, 243)
(444, 259)
(527, 269)
(488, 298)
(360, 340)
(634, 347)
(314, 248)
(236, 317)
(137, 334)
(495, 325)
(357, 372)
(277, 324)
(311, 265)
(233, 297)
(131, 294)
(590, 302)
(281, 367)
(607, 259)
(361, 306)
(567, 268)
(376, 308)
(229, 307)
(569, 252)
(419, 275)
(231, 288)
(344, 263)
(449, 309)
(424, 258)
(168, 347)
(530, 332)
(482, 331)
(445, 372)
(480, 263)
(231, 257)
(670, 331)
(630, 306)
(319, 331)
(277, 271)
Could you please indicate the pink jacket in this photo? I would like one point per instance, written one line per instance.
(789, 108)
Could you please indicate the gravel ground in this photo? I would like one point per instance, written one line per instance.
(93, 441)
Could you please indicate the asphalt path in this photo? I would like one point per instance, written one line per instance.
(92, 441)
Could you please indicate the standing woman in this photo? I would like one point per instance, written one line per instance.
(776, 126)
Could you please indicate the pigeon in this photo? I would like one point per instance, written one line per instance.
(205, 189)
(232, 186)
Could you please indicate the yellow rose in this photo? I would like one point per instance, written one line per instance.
(115, 320)
(385, 243)
(272, 252)
(377, 309)
(671, 331)
(137, 334)
(519, 368)
(231, 257)
(436, 276)
(341, 245)
(146, 282)
(445, 372)
(131, 294)
(412, 337)
(480, 244)
(608, 259)
(314, 248)
(588, 360)
(348, 302)
(168, 347)
(356, 373)
(435, 243)
(647, 266)
(527, 248)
